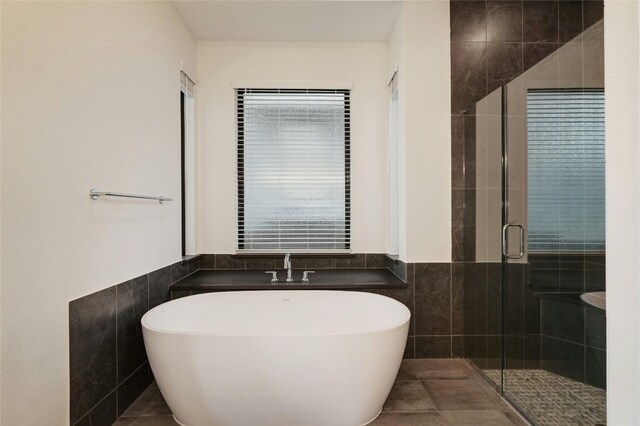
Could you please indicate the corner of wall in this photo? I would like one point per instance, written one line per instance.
(427, 131)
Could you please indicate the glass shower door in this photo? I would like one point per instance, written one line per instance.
(553, 244)
(521, 307)
(482, 223)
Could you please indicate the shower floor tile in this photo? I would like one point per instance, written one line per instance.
(552, 400)
(427, 392)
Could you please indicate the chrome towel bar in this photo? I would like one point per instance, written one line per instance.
(95, 194)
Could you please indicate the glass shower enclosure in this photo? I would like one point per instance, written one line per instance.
(537, 207)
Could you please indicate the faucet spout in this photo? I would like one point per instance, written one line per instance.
(287, 266)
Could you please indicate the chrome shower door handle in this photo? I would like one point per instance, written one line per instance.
(505, 249)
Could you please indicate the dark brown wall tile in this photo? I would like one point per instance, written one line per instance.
(504, 21)
(494, 352)
(562, 319)
(320, 263)
(457, 346)
(570, 18)
(178, 271)
(92, 351)
(159, 282)
(457, 243)
(530, 308)
(469, 243)
(533, 53)
(475, 298)
(593, 11)
(563, 358)
(514, 294)
(570, 66)
(409, 349)
(457, 152)
(433, 298)
(596, 368)
(494, 298)
(531, 351)
(405, 295)
(400, 268)
(208, 261)
(470, 129)
(193, 265)
(375, 260)
(264, 263)
(468, 75)
(132, 304)
(470, 346)
(514, 352)
(540, 21)
(482, 345)
(433, 346)
(132, 388)
(227, 261)
(469, 208)
(103, 414)
(468, 21)
(457, 207)
(297, 262)
(504, 63)
(457, 298)
(351, 262)
(595, 328)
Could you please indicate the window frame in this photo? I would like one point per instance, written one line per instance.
(240, 185)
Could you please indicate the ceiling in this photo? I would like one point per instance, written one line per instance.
(293, 20)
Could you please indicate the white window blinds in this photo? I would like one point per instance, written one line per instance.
(566, 187)
(293, 162)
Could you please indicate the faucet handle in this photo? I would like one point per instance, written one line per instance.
(274, 276)
(305, 276)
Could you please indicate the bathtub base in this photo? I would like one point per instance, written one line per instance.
(373, 419)
(364, 424)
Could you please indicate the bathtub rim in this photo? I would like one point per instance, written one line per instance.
(405, 320)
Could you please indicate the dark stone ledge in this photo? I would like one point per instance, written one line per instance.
(326, 279)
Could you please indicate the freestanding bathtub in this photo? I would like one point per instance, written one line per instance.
(276, 357)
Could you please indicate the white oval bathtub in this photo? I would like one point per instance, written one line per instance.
(276, 357)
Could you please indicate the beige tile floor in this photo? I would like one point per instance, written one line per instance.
(426, 392)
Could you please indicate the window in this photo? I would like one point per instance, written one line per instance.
(293, 166)
(566, 199)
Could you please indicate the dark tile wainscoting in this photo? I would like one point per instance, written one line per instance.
(449, 304)
(298, 261)
(573, 340)
(107, 359)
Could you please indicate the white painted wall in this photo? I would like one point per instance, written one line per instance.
(622, 118)
(220, 63)
(419, 45)
(90, 98)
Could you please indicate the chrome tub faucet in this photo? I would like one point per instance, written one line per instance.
(287, 266)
